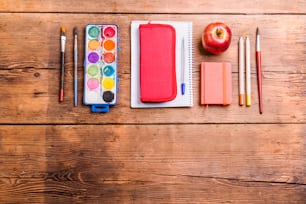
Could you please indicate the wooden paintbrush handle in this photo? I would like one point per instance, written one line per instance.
(259, 80)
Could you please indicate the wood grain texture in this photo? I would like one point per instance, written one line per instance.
(32, 98)
(153, 164)
(33, 78)
(55, 153)
(156, 6)
(283, 38)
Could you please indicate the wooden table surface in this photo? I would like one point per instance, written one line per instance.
(56, 153)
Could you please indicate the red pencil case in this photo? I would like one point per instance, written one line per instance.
(157, 62)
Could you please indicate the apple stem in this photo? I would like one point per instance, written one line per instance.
(219, 33)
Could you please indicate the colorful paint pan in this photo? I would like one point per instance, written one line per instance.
(109, 45)
(94, 32)
(108, 70)
(100, 66)
(108, 57)
(109, 32)
(93, 44)
(93, 70)
(93, 83)
(108, 96)
(93, 57)
(108, 83)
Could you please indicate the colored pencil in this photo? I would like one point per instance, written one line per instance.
(241, 71)
(248, 71)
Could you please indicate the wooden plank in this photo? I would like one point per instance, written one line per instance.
(176, 191)
(32, 98)
(153, 163)
(176, 155)
(166, 6)
(283, 43)
(29, 63)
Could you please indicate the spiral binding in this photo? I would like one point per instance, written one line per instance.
(189, 52)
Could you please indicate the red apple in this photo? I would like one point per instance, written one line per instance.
(216, 37)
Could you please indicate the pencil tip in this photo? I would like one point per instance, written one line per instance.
(63, 29)
(75, 30)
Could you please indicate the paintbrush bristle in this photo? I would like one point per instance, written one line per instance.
(257, 31)
(75, 30)
(63, 29)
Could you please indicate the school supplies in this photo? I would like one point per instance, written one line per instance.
(63, 44)
(216, 83)
(183, 85)
(182, 30)
(258, 65)
(241, 71)
(248, 71)
(157, 62)
(244, 71)
(100, 66)
(75, 31)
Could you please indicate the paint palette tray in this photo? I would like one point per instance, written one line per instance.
(100, 66)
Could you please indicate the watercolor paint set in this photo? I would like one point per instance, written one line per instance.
(100, 66)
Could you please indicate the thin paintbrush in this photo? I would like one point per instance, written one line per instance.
(259, 74)
(75, 31)
(63, 42)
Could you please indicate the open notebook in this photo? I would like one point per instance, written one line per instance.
(183, 35)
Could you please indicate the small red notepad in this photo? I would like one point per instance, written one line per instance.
(157, 62)
(216, 83)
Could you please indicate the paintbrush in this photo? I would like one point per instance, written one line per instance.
(63, 43)
(259, 75)
(75, 31)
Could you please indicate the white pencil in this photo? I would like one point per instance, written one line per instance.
(248, 71)
(241, 71)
